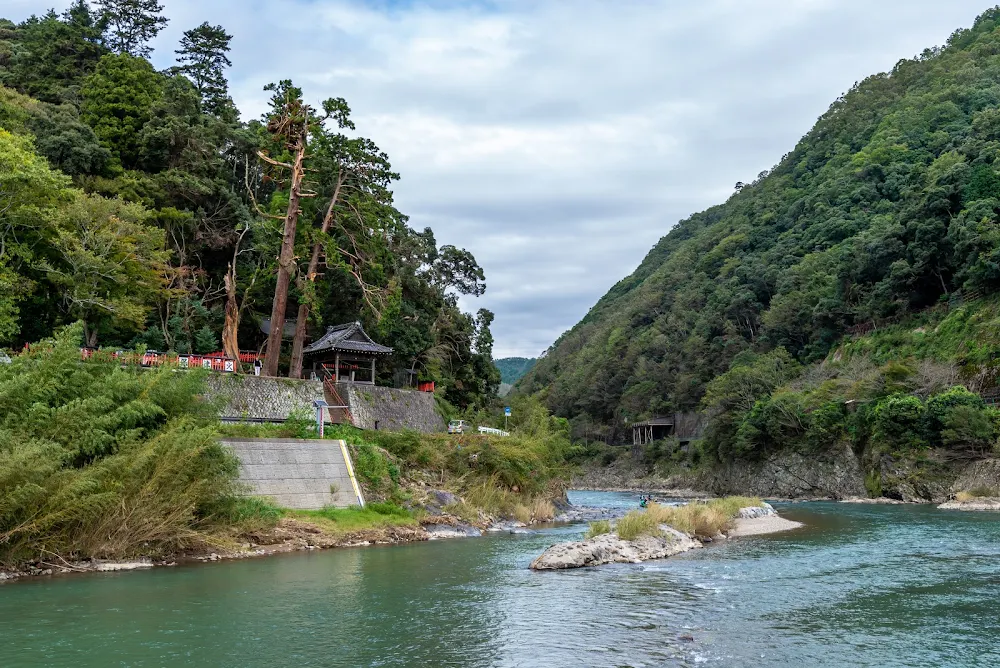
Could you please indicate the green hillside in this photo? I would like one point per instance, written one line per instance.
(512, 369)
(888, 206)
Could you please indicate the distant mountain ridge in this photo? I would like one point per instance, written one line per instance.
(512, 369)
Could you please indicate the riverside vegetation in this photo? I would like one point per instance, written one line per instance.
(661, 531)
(698, 519)
(841, 299)
(137, 203)
(100, 460)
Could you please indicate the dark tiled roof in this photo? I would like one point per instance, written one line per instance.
(350, 338)
(287, 332)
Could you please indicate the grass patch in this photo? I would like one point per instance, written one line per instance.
(702, 519)
(542, 510)
(355, 518)
(248, 513)
(636, 524)
(598, 528)
(976, 493)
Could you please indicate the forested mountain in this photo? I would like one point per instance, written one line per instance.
(138, 202)
(512, 369)
(889, 205)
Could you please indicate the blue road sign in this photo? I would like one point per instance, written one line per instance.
(506, 411)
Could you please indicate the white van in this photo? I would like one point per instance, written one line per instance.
(457, 426)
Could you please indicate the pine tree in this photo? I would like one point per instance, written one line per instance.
(203, 60)
(131, 24)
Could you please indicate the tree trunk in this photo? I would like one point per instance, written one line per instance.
(286, 262)
(230, 331)
(90, 335)
(298, 342)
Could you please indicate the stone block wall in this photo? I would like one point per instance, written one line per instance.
(262, 399)
(389, 409)
(300, 474)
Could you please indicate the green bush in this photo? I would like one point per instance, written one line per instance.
(598, 528)
(249, 512)
(968, 428)
(374, 468)
(899, 423)
(97, 460)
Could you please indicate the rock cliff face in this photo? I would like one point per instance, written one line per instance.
(836, 474)
(983, 475)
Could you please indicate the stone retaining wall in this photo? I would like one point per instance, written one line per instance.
(389, 409)
(262, 399)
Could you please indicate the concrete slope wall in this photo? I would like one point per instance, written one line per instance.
(390, 409)
(300, 474)
(261, 399)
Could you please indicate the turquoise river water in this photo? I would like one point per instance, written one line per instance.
(859, 586)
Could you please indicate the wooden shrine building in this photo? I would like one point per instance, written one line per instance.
(345, 354)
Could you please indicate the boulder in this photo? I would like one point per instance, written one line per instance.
(753, 512)
(508, 526)
(610, 549)
(443, 498)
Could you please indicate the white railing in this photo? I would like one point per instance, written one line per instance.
(494, 432)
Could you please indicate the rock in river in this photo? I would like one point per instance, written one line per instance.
(610, 549)
(983, 504)
(436, 531)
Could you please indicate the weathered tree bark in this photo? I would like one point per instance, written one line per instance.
(286, 259)
(299, 340)
(230, 337)
(90, 335)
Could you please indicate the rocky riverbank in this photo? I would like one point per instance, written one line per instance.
(988, 504)
(289, 535)
(836, 474)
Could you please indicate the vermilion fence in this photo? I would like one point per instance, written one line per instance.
(152, 358)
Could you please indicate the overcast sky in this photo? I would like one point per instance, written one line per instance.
(559, 140)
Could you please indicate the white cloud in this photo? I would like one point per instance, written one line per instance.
(559, 140)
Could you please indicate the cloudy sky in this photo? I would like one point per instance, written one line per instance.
(558, 140)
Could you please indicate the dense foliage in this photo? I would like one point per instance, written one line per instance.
(101, 461)
(512, 369)
(889, 205)
(137, 201)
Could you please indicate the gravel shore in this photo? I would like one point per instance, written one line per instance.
(759, 526)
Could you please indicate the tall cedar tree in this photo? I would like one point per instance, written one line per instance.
(203, 60)
(51, 54)
(359, 220)
(289, 125)
(132, 24)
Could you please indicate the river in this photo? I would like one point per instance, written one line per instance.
(859, 586)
